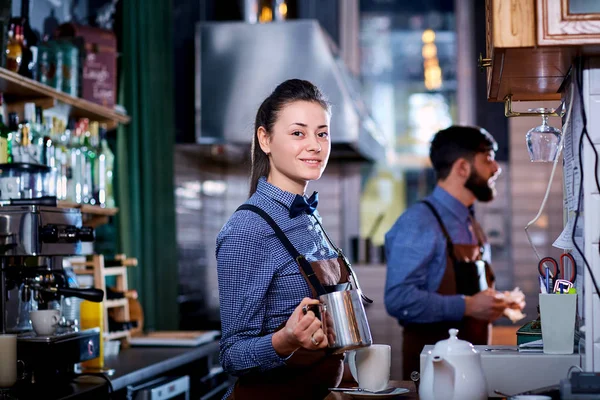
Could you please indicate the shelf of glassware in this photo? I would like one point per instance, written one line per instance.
(16, 88)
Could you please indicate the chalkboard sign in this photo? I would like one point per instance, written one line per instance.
(99, 66)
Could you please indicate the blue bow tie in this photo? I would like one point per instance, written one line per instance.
(301, 204)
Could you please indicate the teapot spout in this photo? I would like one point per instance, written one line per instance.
(443, 378)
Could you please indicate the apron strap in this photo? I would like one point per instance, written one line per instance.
(479, 233)
(444, 230)
(304, 264)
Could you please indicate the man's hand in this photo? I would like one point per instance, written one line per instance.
(485, 305)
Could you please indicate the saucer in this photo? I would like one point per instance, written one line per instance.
(366, 395)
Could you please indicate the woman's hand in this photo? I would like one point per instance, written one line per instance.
(302, 329)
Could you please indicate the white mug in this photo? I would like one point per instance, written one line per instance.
(44, 321)
(8, 360)
(370, 366)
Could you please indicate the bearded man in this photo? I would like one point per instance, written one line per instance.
(438, 271)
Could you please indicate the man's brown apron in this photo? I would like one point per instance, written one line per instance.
(466, 273)
(307, 373)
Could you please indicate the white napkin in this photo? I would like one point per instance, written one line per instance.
(516, 296)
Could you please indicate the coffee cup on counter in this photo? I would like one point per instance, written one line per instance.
(370, 366)
(8, 361)
(45, 322)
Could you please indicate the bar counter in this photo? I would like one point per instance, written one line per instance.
(412, 395)
(131, 366)
(137, 364)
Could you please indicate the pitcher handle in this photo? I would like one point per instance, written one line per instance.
(354, 277)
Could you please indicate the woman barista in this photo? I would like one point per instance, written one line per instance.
(267, 251)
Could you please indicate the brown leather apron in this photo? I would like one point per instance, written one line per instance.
(307, 373)
(466, 273)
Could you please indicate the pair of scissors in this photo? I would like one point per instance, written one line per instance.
(569, 269)
(553, 272)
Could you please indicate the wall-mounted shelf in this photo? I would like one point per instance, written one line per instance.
(88, 208)
(19, 89)
(93, 216)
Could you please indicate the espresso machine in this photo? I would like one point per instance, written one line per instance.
(33, 241)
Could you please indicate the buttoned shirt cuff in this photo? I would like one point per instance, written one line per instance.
(454, 307)
(266, 353)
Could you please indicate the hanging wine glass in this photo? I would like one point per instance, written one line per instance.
(543, 140)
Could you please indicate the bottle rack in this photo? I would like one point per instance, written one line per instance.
(119, 308)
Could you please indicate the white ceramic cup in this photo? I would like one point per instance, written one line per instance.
(44, 321)
(370, 366)
(8, 360)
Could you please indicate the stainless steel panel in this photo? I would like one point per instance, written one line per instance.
(239, 64)
(20, 230)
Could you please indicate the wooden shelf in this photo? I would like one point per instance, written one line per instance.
(94, 216)
(115, 335)
(116, 303)
(114, 271)
(17, 88)
(88, 208)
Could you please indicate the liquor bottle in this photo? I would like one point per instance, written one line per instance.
(34, 147)
(22, 145)
(5, 13)
(88, 158)
(44, 139)
(75, 184)
(98, 164)
(5, 156)
(61, 154)
(5, 136)
(29, 43)
(14, 52)
(106, 158)
(13, 129)
(70, 67)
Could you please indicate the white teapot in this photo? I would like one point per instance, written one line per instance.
(453, 372)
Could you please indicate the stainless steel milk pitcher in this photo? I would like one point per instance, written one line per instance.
(344, 320)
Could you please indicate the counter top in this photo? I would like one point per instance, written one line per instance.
(84, 387)
(412, 395)
(137, 364)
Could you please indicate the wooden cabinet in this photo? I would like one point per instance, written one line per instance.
(531, 45)
(568, 22)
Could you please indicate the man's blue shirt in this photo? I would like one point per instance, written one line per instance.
(416, 260)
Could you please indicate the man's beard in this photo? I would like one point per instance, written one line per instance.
(480, 187)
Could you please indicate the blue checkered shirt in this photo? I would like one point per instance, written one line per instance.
(260, 284)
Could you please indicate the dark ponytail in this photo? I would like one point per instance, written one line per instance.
(287, 92)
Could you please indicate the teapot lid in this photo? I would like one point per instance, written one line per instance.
(454, 346)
